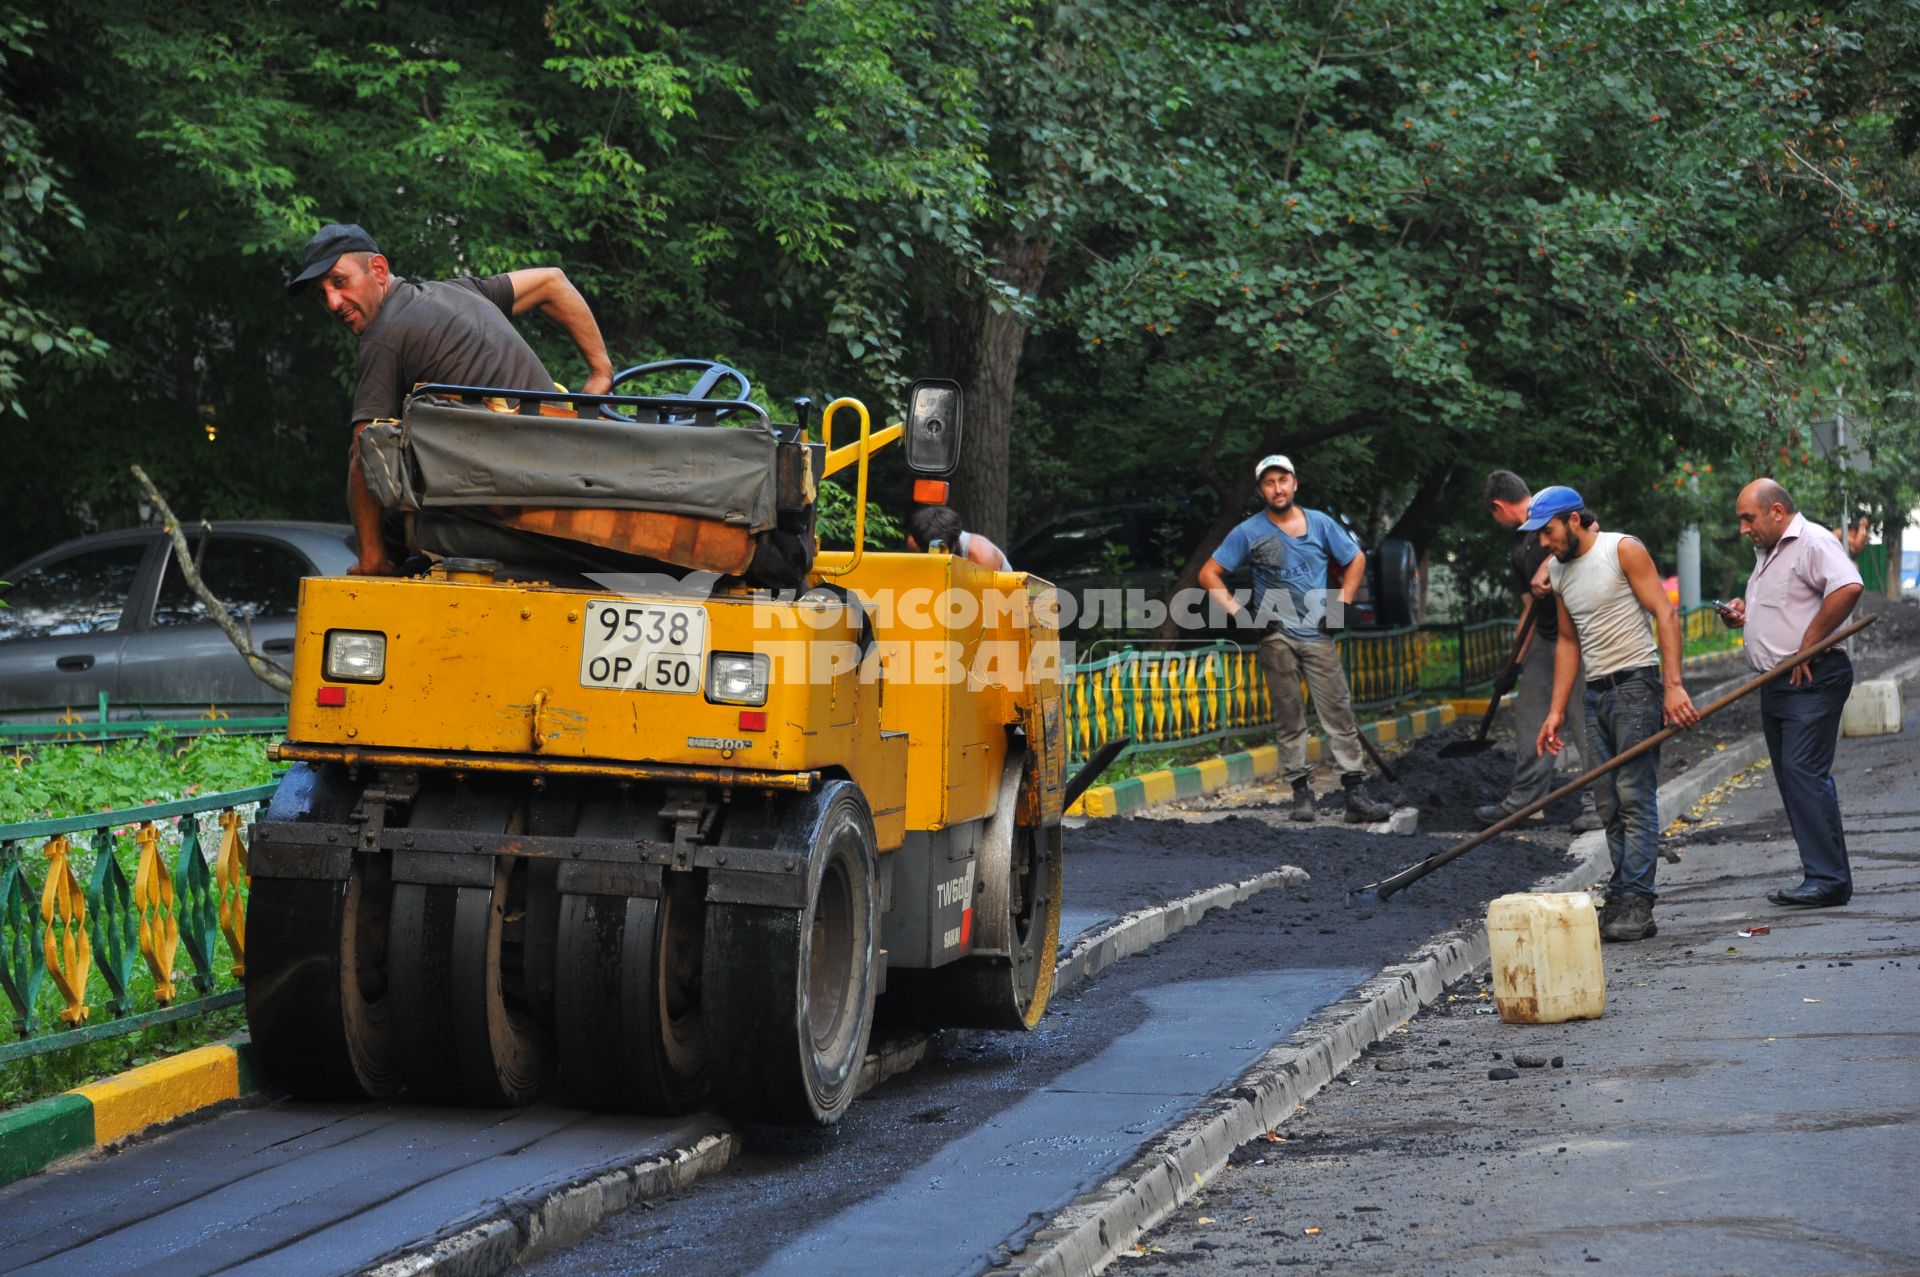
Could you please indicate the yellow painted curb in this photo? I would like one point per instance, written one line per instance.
(161, 1091)
(1213, 773)
(1266, 760)
(1096, 802)
(1159, 786)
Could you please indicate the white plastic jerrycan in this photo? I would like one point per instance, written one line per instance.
(1546, 958)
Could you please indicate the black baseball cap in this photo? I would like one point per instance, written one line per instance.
(326, 247)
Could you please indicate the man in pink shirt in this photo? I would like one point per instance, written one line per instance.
(1803, 586)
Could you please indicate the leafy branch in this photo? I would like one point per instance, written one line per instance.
(268, 671)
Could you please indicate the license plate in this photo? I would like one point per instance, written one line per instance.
(646, 647)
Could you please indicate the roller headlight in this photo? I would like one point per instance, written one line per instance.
(737, 678)
(355, 656)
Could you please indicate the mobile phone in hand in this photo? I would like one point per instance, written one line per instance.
(1722, 607)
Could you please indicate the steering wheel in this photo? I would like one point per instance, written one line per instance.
(711, 374)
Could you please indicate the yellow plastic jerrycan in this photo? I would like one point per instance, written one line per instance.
(1546, 958)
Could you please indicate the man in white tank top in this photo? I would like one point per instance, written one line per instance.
(937, 525)
(1607, 588)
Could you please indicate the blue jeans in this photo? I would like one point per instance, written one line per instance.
(1627, 798)
(1802, 725)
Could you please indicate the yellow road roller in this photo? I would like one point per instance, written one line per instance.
(630, 790)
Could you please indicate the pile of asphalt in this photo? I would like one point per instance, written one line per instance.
(1446, 790)
(1895, 631)
(1121, 859)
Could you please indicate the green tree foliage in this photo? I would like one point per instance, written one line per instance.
(697, 173)
(1567, 239)
(1405, 241)
(31, 198)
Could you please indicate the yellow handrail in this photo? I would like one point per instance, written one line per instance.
(860, 451)
(840, 459)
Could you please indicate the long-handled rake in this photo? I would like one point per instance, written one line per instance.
(1377, 892)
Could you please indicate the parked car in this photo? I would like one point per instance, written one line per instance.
(112, 613)
(1141, 545)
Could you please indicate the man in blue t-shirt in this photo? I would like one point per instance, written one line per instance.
(1292, 549)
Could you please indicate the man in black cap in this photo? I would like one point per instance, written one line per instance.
(455, 331)
(1507, 498)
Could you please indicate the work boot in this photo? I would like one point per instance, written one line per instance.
(1362, 810)
(1587, 822)
(1633, 920)
(1494, 813)
(1304, 810)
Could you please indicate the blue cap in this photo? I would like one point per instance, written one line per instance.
(1549, 502)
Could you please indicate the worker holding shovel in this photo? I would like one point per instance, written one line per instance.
(1606, 588)
(1507, 498)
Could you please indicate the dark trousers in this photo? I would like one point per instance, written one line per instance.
(1627, 799)
(1802, 726)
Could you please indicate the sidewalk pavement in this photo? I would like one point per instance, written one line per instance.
(1748, 1104)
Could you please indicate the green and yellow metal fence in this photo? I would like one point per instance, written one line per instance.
(95, 912)
(1183, 695)
(122, 720)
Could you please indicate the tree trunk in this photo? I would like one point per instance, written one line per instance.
(1420, 521)
(1896, 527)
(1893, 525)
(981, 347)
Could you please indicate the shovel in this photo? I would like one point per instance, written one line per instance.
(1377, 892)
(1501, 686)
(1090, 772)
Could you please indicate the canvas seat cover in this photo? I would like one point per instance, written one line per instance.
(441, 456)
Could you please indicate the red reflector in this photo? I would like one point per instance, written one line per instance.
(753, 720)
(331, 697)
(930, 491)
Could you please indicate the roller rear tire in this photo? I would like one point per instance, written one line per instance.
(317, 1005)
(628, 1001)
(790, 993)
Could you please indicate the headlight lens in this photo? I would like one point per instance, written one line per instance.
(737, 678)
(356, 656)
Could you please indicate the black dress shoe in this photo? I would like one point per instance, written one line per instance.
(1811, 897)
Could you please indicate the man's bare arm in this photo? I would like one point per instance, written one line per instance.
(365, 512)
(1645, 582)
(985, 553)
(548, 290)
(1351, 576)
(1834, 609)
(1213, 577)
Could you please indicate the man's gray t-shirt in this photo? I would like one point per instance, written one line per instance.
(454, 331)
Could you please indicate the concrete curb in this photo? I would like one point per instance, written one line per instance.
(1903, 671)
(34, 1136)
(1144, 928)
(562, 1217)
(1093, 1230)
(1210, 775)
